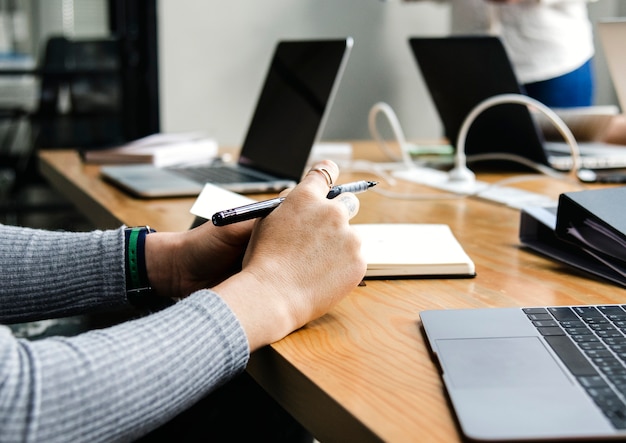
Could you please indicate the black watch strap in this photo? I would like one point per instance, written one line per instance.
(138, 289)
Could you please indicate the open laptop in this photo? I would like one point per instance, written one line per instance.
(612, 35)
(538, 373)
(290, 114)
(462, 71)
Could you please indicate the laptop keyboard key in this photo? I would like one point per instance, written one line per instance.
(570, 355)
(540, 317)
(563, 314)
(555, 330)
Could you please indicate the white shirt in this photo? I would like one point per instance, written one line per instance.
(544, 38)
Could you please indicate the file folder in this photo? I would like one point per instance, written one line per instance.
(538, 232)
(595, 221)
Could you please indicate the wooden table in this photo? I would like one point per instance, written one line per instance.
(363, 371)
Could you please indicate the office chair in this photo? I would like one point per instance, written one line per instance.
(79, 105)
(80, 102)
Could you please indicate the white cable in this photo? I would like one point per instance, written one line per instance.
(396, 129)
(460, 172)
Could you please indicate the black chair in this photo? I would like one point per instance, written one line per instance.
(13, 158)
(79, 105)
(81, 97)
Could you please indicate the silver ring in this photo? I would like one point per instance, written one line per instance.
(326, 175)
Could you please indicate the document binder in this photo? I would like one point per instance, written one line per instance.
(595, 220)
(587, 231)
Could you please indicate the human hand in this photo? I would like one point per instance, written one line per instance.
(301, 260)
(181, 263)
(616, 133)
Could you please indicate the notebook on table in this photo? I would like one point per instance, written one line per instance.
(298, 91)
(413, 250)
(462, 71)
(538, 373)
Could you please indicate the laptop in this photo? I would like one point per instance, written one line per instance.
(288, 119)
(462, 71)
(612, 35)
(539, 373)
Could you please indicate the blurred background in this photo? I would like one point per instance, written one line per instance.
(93, 73)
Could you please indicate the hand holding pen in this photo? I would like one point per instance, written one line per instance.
(262, 208)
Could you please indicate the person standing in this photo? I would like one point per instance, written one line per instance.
(549, 42)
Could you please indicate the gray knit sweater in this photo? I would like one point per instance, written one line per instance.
(112, 384)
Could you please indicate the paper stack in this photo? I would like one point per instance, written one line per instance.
(159, 149)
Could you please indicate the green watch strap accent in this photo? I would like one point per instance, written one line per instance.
(133, 263)
(138, 289)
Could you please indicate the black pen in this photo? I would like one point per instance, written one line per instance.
(262, 208)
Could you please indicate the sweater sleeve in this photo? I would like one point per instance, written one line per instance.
(121, 382)
(48, 274)
(111, 384)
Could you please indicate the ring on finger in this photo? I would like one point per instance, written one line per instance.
(326, 175)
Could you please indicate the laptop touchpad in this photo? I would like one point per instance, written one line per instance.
(499, 362)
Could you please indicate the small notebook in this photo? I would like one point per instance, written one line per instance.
(413, 250)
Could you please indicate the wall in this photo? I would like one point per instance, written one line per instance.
(214, 55)
(74, 19)
(213, 58)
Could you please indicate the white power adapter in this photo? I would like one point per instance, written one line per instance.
(512, 197)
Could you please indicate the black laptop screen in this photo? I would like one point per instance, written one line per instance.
(462, 71)
(291, 108)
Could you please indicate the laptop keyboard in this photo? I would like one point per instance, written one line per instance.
(590, 341)
(217, 174)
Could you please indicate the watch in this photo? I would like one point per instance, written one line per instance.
(138, 289)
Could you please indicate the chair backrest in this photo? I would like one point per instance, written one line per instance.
(53, 61)
(81, 97)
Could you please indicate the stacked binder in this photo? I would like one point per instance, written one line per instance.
(587, 230)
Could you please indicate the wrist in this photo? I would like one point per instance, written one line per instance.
(263, 315)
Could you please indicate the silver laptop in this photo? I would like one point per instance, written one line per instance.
(288, 119)
(462, 71)
(544, 373)
(612, 35)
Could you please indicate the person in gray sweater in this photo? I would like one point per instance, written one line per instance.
(237, 288)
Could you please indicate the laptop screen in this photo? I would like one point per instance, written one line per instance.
(291, 108)
(462, 71)
(612, 35)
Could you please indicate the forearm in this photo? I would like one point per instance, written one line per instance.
(120, 382)
(51, 274)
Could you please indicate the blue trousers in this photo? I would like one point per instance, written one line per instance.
(570, 90)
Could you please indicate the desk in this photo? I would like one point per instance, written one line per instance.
(363, 372)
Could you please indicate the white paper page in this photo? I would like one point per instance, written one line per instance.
(213, 199)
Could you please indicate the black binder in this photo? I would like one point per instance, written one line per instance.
(595, 220)
(537, 232)
(587, 231)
